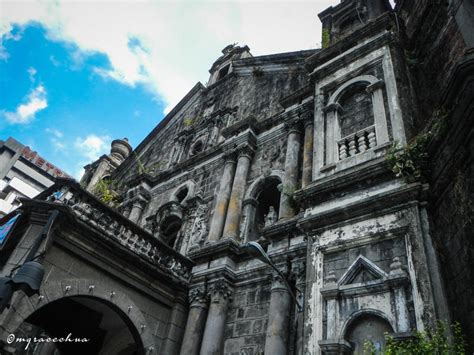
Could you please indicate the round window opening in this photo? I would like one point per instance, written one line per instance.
(198, 147)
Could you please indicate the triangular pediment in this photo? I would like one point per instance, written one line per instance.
(362, 270)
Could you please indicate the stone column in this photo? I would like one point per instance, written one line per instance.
(138, 204)
(398, 278)
(223, 196)
(276, 342)
(196, 322)
(213, 338)
(290, 179)
(176, 326)
(333, 133)
(307, 151)
(330, 294)
(232, 221)
(298, 271)
(138, 197)
(248, 224)
(380, 118)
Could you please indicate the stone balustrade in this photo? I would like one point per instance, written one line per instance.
(356, 143)
(117, 228)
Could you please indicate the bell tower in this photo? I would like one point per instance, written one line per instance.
(343, 19)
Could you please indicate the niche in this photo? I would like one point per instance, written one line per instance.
(170, 228)
(368, 328)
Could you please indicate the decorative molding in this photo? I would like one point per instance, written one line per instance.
(220, 290)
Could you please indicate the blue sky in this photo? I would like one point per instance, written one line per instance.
(76, 75)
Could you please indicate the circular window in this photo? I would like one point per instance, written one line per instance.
(198, 147)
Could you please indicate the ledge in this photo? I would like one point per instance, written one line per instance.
(212, 250)
(324, 188)
(373, 204)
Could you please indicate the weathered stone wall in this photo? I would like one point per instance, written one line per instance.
(438, 36)
(248, 94)
(247, 320)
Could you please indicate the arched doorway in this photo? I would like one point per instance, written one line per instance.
(108, 329)
(367, 328)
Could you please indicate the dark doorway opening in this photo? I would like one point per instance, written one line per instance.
(92, 325)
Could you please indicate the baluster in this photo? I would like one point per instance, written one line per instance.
(352, 146)
(342, 150)
(372, 139)
(362, 143)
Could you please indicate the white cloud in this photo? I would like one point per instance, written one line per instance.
(25, 113)
(55, 132)
(7, 36)
(169, 46)
(92, 146)
(32, 72)
(56, 139)
(90, 149)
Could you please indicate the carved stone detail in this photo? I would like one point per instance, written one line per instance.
(220, 290)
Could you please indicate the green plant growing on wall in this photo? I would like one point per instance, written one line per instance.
(432, 342)
(106, 191)
(142, 169)
(325, 38)
(409, 163)
(188, 122)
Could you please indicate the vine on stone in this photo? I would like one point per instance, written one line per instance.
(105, 190)
(410, 163)
(432, 342)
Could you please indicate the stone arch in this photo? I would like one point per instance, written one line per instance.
(252, 215)
(51, 292)
(365, 312)
(256, 185)
(190, 186)
(362, 125)
(368, 325)
(369, 79)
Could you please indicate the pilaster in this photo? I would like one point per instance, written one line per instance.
(276, 341)
(290, 179)
(223, 197)
(231, 228)
(220, 294)
(193, 333)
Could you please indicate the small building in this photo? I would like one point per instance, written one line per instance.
(23, 173)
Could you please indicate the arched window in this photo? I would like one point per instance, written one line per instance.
(368, 328)
(355, 119)
(357, 111)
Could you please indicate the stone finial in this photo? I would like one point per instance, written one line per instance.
(120, 149)
(331, 279)
(396, 267)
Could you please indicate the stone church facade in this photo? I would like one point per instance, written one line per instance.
(288, 150)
